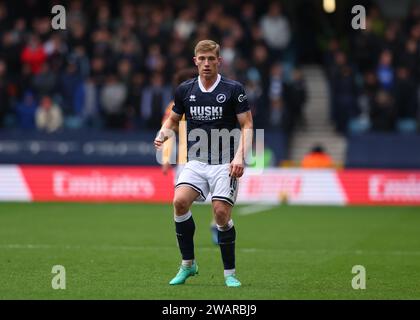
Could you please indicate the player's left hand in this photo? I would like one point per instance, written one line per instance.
(236, 168)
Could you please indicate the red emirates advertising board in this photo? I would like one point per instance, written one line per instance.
(149, 184)
(381, 187)
(139, 184)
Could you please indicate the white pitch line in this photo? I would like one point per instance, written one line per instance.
(256, 208)
(215, 248)
(103, 247)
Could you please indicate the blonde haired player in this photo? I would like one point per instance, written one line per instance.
(181, 148)
(211, 103)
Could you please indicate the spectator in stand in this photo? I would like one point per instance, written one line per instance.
(57, 51)
(365, 46)
(101, 45)
(155, 98)
(406, 99)
(113, 98)
(295, 97)
(261, 63)
(317, 158)
(87, 97)
(25, 111)
(365, 101)
(385, 71)
(276, 92)
(10, 52)
(410, 58)
(247, 19)
(4, 22)
(344, 93)
(330, 57)
(276, 31)
(185, 24)
(228, 54)
(48, 115)
(392, 39)
(155, 61)
(254, 93)
(334, 68)
(98, 70)
(4, 94)
(77, 32)
(376, 20)
(383, 112)
(135, 90)
(124, 71)
(69, 83)
(45, 82)
(34, 54)
(81, 60)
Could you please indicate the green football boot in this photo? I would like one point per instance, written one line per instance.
(184, 273)
(232, 281)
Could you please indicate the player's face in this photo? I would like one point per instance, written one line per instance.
(208, 64)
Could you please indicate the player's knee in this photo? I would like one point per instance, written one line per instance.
(221, 215)
(181, 206)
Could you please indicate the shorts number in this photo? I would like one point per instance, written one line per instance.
(233, 185)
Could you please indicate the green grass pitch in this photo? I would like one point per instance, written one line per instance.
(129, 251)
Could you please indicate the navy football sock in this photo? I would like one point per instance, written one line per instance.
(185, 234)
(227, 247)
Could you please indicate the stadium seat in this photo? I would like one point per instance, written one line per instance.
(73, 122)
(359, 125)
(10, 121)
(407, 125)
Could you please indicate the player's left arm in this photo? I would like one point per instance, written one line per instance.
(237, 165)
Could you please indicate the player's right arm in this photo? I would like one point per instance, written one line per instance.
(169, 127)
(172, 123)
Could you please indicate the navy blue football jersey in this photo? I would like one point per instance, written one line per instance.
(207, 113)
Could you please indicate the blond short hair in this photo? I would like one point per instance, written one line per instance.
(207, 45)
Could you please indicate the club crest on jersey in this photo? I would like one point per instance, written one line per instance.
(221, 97)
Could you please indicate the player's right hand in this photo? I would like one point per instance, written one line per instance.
(165, 168)
(159, 140)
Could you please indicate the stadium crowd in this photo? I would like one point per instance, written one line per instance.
(374, 77)
(113, 65)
